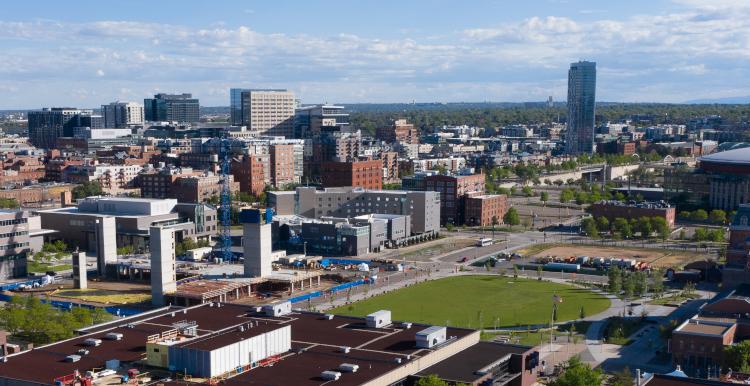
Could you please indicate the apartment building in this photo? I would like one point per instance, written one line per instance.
(363, 174)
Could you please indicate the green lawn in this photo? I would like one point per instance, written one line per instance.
(35, 266)
(464, 301)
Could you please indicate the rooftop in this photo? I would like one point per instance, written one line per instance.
(736, 156)
(316, 345)
(464, 367)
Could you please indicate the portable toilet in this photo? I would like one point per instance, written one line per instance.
(431, 337)
(379, 319)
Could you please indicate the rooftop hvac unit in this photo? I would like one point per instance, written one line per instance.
(278, 309)
(328, 316)
(406, 325)
(431, 337)
(82, 352)
(330, 375)
(113, 336)
(348, 367)
(397, 360)
(379, 319)
(345, 349)
(92, 342)
(72, 358)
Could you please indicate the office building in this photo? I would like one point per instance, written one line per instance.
(122, 114)
(250, 173)
(422, 207)
(453, 190)
(579, 138)
(264, 111)
(284, 162)
(47, 125)
(133, 217)
(310, 121)
(485, 209)
(14, 243)
(366, 174)
(182, 108)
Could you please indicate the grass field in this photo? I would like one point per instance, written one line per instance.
(35, 266)
(476, 301)
(103, 296)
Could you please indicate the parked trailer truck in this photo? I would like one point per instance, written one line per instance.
(565, 267)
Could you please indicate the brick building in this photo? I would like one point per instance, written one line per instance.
(400, 131)
(453, 189)
(737, 268)
(390, 167)
(282, 165)
(630, 210)
(249, 172)
(197, 189)
(698, 343)
(363, 174)
(480, 209)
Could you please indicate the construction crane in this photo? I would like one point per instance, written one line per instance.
(225, 208)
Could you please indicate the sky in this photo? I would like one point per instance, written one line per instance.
(87, 53)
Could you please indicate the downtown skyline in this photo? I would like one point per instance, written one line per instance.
(666, 51)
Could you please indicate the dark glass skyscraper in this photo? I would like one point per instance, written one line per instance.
(181, 108)
(581, 108)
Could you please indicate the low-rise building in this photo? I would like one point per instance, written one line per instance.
(634, 210)
(133, 218)
(362, 174)
(485, 209)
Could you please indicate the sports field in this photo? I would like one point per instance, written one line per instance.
(475, 301)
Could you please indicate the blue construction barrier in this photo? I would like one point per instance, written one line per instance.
(335, 289)
(327, 262)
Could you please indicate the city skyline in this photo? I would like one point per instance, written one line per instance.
(666, 51)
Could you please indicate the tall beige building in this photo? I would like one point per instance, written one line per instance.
(269, 112)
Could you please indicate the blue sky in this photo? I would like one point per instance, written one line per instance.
(86, 53)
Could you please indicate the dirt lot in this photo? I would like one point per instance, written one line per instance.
(655, 257)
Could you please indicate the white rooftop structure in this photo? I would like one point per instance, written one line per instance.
(127, 206)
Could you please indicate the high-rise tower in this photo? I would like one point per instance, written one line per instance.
(581, 108)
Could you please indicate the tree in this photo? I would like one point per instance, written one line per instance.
(566, 195)
(539, 272)
(511, 217)
(622, 227)
(657, 282)
(717, 235)
(644, 226)
(582, 198)
(717, 216)
(433, 380)
(615, 280)
(684, 215)
(578, 373)
(700, 234)
(588, 225)
(737, 356)
(628, 286)
(87, 189)
(602, 224)
(544, 197)
(582, 313)
(527, 191)
(8, 203)
(659, 224)
(699, 215)
(622, 378)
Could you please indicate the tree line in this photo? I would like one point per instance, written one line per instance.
(622, 228)
(28, 319)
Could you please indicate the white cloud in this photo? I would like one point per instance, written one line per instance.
(521, 60)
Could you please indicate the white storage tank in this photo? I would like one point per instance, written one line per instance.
(278, 309)
(348, 367)
(379, 319)
(330, 375)
(431, 337)
(113, 336)
(92, 342)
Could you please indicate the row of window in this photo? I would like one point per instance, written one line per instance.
(13, 246)
(12, 234)
(14, 221)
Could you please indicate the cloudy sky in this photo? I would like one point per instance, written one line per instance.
(85, 53)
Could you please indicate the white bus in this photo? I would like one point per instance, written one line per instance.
(484, 242)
